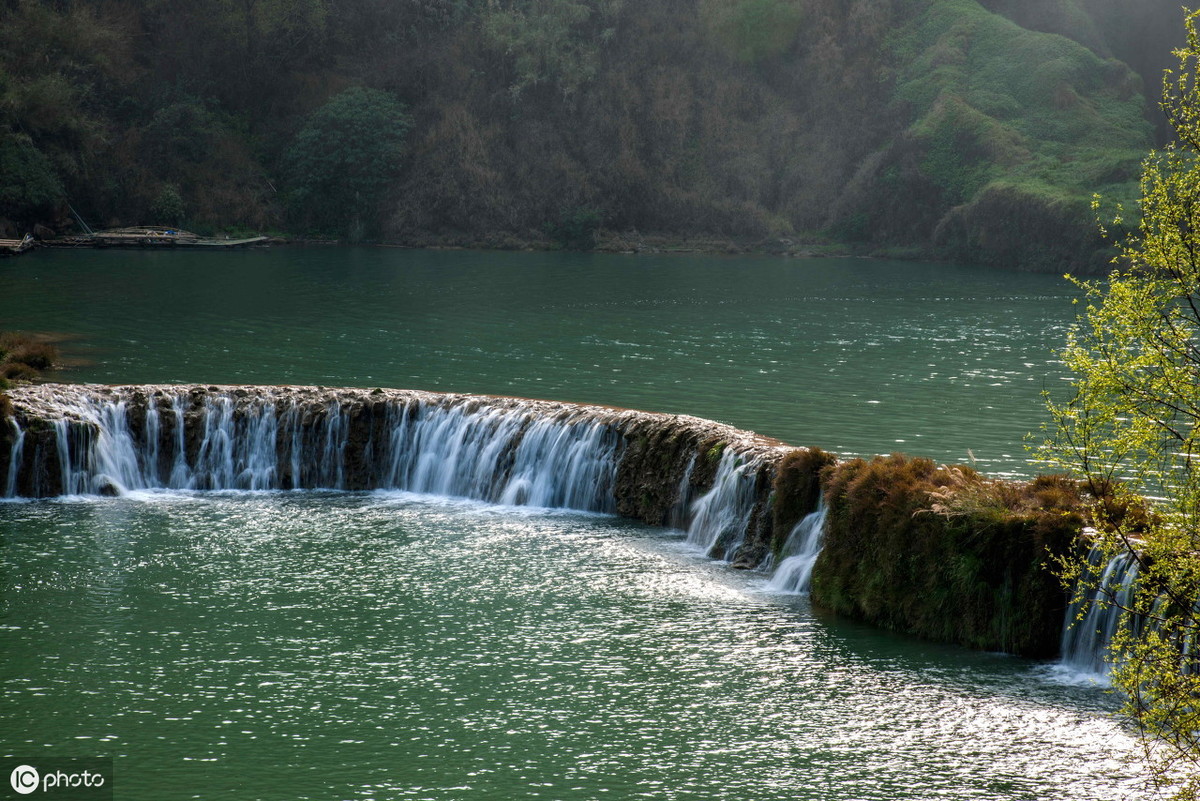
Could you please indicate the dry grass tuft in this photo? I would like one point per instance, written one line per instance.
(23, 357)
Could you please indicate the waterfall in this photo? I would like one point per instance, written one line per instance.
(237, 449)
(153, 430)
(721, 516)
(1093, 620)
(14, 459)
(508, 456)
(334, 436)
(454, 452)
(100, 440)
(677, 516)
(218, 440)
(213, 468)
(570, 466)
(98, 459)
(800, 551)
(179, 469)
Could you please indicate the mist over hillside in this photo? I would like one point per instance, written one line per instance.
(969, 129)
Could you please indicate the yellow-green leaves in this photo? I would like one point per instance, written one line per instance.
(1132, 427)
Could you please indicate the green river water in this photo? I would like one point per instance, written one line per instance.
(322, 645)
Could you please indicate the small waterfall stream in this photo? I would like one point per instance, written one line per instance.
(14, 459)
(800, 552)
(1093, 620)
(721, 517)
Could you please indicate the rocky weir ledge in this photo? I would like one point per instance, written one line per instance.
(936, 551)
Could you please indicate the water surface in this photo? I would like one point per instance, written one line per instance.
(319, 645)
(322, 645)
(857, 356)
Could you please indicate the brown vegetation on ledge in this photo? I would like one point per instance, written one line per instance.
(23, 357)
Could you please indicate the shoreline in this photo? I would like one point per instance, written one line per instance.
(607, 242)
(630, 243)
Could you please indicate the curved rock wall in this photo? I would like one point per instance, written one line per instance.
(939, 552)
(103, 440)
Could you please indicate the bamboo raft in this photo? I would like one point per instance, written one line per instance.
(152, 237)
(15, 247)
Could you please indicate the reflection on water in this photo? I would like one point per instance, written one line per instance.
(326, 645)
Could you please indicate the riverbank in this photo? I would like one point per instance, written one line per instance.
(795, 247)
(614, 242)
(630, 242)
(605, 241)
(635, 242)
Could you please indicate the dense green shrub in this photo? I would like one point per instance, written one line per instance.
(179, 133)
(168, 208)
(551, 42)
(343, 160)
(29, 187)
(754, 30)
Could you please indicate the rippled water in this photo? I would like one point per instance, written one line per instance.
(324, 645)
(334, 646)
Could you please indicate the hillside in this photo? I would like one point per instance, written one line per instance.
(952, 128)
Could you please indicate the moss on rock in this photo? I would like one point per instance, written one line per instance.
(797, 489)
(943, 553)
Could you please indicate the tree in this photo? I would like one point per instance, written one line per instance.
(343, 160)
(552, 42)
(29, 189)
(168, 207)
(1132, 429)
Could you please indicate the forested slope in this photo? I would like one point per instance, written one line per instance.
(960, 128)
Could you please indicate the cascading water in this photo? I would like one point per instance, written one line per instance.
(721, 516)
(178, 477)
(1092, 621)
(679, 513)
(800, 550)
(95, 440)
(569, 466)
(509, 455)
(238, 451)
(333, 448)
(99, 457)
(504, 456)
(14, 459)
